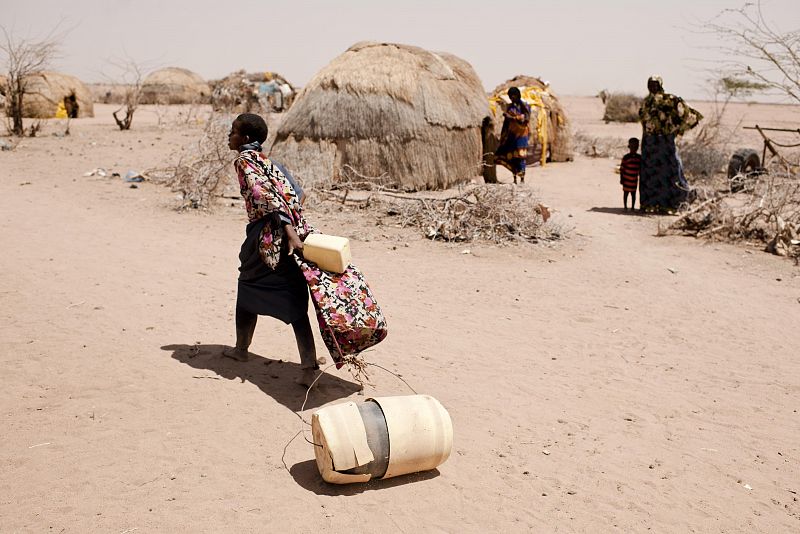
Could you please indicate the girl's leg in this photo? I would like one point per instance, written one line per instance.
(625, 200)
(308, 352)
(245, 327)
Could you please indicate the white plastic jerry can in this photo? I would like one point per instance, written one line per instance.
(329, 252)
(380, 438)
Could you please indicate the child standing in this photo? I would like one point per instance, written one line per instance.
(629, 172)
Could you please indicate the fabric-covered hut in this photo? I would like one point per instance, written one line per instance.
(550, 135)
(174, 85)
(402, 115)
(49, 93)
(258, 92)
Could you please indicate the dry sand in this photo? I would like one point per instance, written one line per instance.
(614, 381)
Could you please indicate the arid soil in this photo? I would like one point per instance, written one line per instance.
(611, 381)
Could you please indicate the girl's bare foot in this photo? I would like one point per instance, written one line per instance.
(236, 354)
(307, 377)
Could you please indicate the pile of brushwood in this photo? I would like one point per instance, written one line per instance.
(497, 213)
(765, 211)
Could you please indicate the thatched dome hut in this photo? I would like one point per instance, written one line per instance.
(550, 138)
(174, 85)
(400, 114)
(46, 91)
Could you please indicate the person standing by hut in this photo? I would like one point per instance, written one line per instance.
(662, 184)
(513, 147)
(270, 281)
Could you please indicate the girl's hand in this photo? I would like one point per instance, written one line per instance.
(292, 239)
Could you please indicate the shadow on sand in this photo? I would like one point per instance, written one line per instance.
(273, 377)
(307, 476)
(619, 211)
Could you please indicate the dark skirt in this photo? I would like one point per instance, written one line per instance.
(281, 293)
(662, 184)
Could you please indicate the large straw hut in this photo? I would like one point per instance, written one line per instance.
(45, 93)
(174, 85)
(394, 114)
(550, 135)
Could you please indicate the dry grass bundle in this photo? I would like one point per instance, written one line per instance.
(45, 91)
(390, 109)
(174, 85)
(767, 211)
(201, 174)
(621, 107)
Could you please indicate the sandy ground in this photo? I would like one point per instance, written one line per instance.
(614, 381)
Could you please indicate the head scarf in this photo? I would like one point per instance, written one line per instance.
(657, 79)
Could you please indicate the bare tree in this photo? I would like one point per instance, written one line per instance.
(131, 75)
(762, 56)
(24, 58)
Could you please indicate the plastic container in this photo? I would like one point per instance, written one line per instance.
(382, 437)
(329, 252)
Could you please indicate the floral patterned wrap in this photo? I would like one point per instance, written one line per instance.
(665, 114)
(267, 192)
(350, 319)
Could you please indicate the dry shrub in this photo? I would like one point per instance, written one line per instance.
(767, 211)
(701, 159)
(621, 107)
(201, 172)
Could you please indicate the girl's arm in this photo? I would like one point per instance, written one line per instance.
(292, 239)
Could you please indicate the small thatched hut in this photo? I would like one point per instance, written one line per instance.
(174, 85)
(407, 117)
(45, 93)
(550, 138)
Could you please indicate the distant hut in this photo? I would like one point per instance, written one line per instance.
(3, 89)
(174, 85)
(47, 94)
(550, 135)
(243, 92)
(404, 116)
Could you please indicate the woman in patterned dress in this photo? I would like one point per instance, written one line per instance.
(270, 281)
(513, 147)
(662, 185)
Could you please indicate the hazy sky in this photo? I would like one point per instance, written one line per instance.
(580, 46)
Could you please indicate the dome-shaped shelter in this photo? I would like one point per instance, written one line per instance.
(257, 92)
(46, 92)
(550, 138)
(174, 85)
(409, 117)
